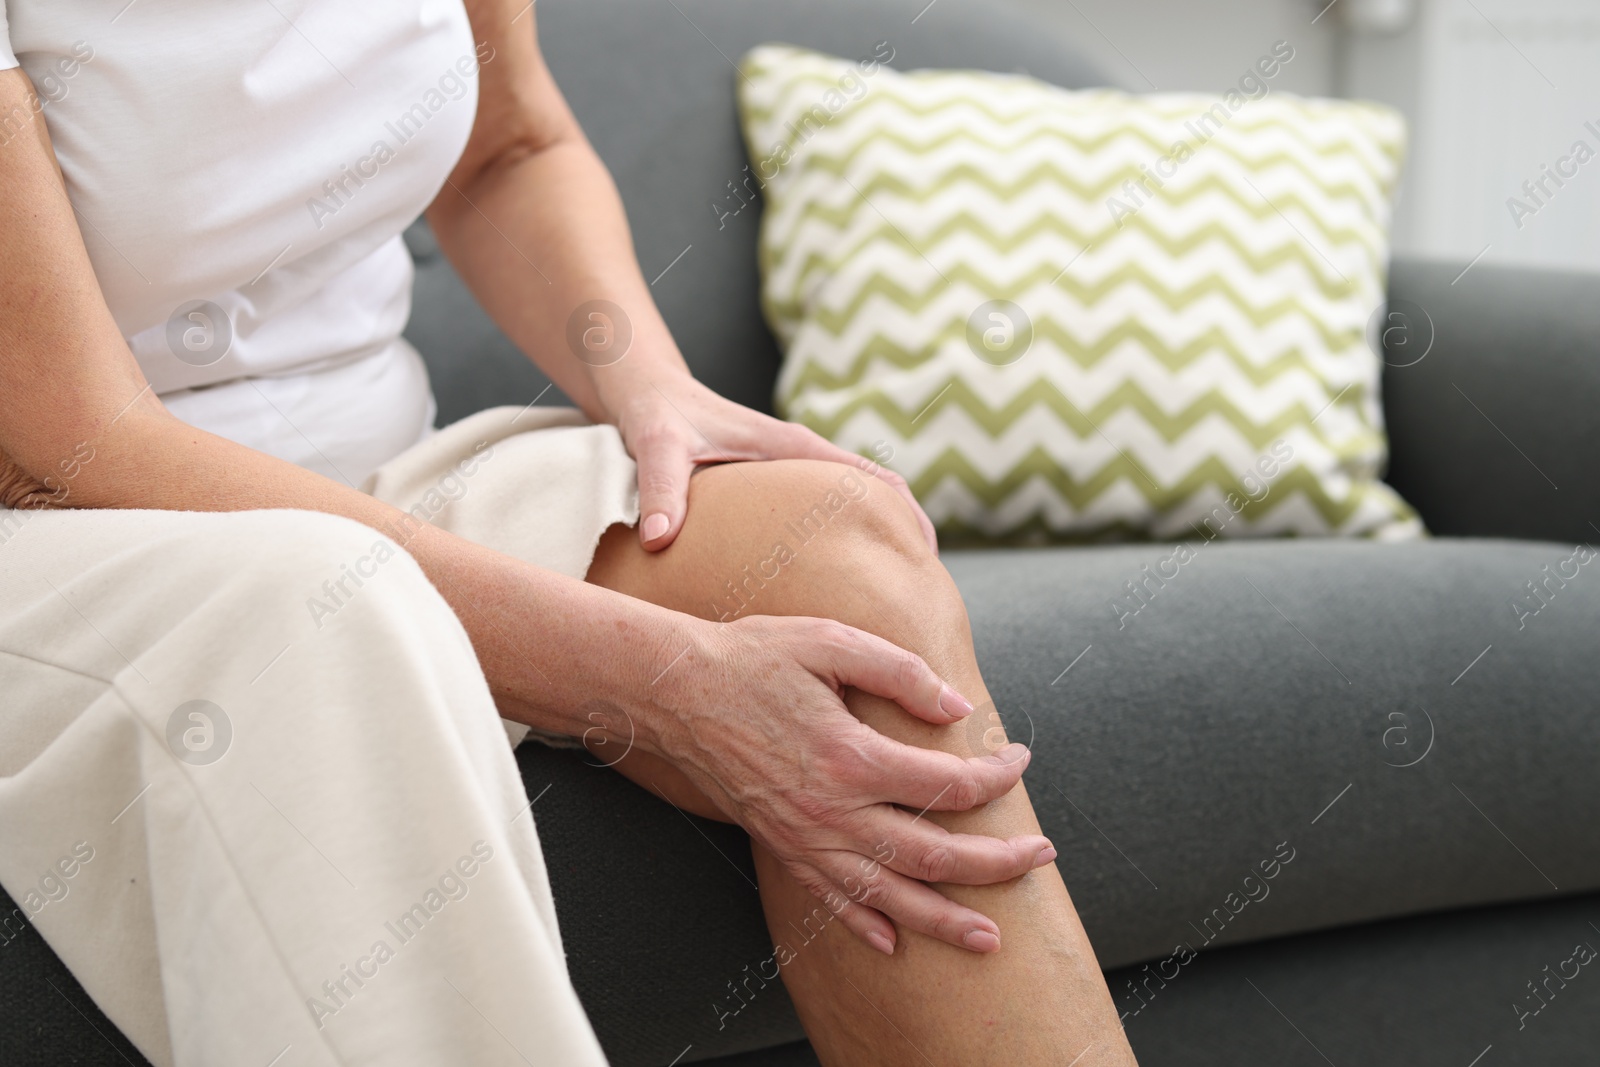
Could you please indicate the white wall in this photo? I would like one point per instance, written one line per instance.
(1495, 90)
(1196, 44)
(1473, 77)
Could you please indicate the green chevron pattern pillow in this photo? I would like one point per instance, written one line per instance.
(1081, 315)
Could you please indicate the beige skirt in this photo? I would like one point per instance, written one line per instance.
(543, 497)
(263, 822)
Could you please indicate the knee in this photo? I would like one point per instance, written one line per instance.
(858, 555)
(832, 540)
(844, 513)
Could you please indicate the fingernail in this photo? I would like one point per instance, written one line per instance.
(655, 526)
(981, 941)
(1047, 856)
(881, 943)
(1013, 752)
(954, 703)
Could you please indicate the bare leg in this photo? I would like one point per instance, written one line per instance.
(854, 554)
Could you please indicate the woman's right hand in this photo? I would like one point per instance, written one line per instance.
(762, 729)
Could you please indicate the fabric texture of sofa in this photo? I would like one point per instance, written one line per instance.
(1423, 749)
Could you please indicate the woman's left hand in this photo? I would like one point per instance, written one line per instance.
(672, 424)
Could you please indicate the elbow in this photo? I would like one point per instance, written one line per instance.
(80, 463)
(478, 174)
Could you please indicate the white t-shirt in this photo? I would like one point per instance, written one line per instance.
(241, 174)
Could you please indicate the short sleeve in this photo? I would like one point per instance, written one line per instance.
(8, 59)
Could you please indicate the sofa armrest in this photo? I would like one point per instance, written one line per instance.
(1495, 431)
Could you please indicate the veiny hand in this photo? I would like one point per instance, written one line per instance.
(672, 424)
(765, 734)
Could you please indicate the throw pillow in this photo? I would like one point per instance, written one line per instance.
(1074, 315)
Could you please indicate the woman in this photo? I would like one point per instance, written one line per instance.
(251, 735)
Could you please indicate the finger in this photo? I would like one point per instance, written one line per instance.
(810, 445)
(928, 780)
(869, 925)
(869, 663)
(664, 469)
(923, 909)
(930, 853)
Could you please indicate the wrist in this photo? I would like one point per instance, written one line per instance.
(655, 682)
(638, 380)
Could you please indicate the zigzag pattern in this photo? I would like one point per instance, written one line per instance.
(1198, 316)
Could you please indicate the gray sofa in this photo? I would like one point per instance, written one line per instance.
(1373, 713)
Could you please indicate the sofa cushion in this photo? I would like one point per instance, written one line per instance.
(1386, 729)
(1433, 989)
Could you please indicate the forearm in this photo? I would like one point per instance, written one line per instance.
(550, 646)
(536, 235)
